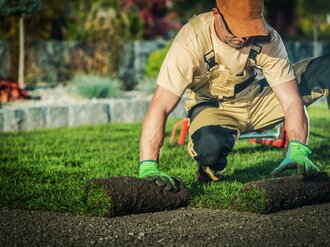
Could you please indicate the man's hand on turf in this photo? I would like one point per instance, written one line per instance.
(297, 158)
(149, 169)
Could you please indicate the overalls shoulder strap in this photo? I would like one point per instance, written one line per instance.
(205, 42)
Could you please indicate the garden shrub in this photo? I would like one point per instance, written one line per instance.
(155, 61)
(94, 86)
(129, 80)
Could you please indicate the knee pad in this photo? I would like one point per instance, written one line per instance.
(212, 144)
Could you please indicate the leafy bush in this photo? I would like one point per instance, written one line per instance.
(155, 61)
(129, 80)
(108, 23)
(94, 86)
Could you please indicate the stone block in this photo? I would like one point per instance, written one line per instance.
(128, 111)
(89, 113)
(57, 116)
(14, 120)
(100, 114)
(37, 118)
(21, 117)
(79, 114)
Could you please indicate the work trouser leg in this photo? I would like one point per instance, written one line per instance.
(212, 144)
(212, 135)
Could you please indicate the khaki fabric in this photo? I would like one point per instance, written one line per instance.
(250, 110)
(254, 108)
(184, 66)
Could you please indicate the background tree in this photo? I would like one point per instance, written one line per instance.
(282, 15)
(314, 12)
(20, 8)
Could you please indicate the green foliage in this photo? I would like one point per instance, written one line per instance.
(108, 23)
(155, 61)
(48, 169)
(308, 7)
(94, 86)
(129, 80)
(19, 7)
(103, 21)
(313, 18)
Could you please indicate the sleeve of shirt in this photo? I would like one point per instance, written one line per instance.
(275, 62)
(177, 70)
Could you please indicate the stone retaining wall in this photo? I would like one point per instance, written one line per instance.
(77, 114)
(57, 61)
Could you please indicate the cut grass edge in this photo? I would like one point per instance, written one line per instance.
(98, 202)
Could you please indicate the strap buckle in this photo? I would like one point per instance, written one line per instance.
(209, 58)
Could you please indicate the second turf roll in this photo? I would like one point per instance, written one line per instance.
(291, 192)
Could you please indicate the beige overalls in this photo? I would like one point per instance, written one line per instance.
(255, 108)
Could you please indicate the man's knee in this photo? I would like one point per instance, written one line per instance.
(212, 144)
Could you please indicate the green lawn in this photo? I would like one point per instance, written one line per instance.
(47, 169)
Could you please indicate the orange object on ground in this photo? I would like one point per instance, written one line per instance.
(282, 142)
(183, 133)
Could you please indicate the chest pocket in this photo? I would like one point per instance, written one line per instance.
(222, 84)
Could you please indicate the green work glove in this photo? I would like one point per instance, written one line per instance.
(297, 158)
(149, 169)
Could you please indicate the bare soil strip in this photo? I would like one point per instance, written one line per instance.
(306, 226)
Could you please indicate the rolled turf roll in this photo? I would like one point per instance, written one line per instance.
(117, 196)
(291, 192)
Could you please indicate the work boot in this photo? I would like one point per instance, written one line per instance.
(205, 174)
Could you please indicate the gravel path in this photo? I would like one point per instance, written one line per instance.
(306, 226)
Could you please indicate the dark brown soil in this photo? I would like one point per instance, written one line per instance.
(293, 191)
(306, 226)
(129, 195)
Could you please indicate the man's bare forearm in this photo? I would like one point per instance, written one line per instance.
(152, 136)
(296, 122)
(153, 130)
